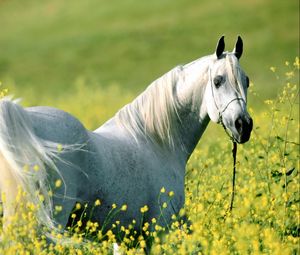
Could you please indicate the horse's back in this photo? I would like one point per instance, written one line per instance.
(56, 125)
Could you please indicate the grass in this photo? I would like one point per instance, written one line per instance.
(46, 48)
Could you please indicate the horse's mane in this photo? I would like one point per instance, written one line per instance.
(153, 114)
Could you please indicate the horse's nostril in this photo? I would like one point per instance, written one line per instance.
(238, 124)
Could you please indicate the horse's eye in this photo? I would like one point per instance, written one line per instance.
(218, 80)
(247, 81)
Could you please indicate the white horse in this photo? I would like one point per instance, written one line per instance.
(126, 161)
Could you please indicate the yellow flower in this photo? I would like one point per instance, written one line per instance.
(144, 209)
(79, 223)
(273, 69)
(124, 208)
(41, 198)
(78, 206)
(146, 226)
(157, 227)
(97, 202)
(73, 216)
(58, 208)
(114, 206)
(163, 190)
(268, 101)
(36, 168)
(171, 193)
(3, 197)
(58, 183)
(143, 244)
(289, 74)
(59, 147)
(165, 205)
(297, 63)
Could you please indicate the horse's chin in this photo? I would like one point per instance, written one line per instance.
(241, 129)
(241, 138)
(236, 136)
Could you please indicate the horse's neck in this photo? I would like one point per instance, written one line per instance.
(191, 112)
(191, 130)
(193, 116)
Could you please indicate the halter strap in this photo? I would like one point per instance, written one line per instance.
(234, 149)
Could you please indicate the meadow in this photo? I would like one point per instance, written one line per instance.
(92, 57)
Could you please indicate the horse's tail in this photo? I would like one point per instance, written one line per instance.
(24, 158)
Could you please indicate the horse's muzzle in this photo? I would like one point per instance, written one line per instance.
(243, 127)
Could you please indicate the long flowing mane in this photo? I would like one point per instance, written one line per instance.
(153, 114)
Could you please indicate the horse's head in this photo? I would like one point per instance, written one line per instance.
(226, 92)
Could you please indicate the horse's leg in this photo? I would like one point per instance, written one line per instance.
(70, 191)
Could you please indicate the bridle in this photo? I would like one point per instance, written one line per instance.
(220, 112)
(234, 143)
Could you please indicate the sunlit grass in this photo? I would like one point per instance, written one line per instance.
(48, 46)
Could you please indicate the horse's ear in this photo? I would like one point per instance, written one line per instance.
(220, 47)
(238, 49)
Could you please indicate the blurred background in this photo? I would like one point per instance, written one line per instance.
(91, 57)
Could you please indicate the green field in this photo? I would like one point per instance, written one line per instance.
(92, 57)
(47, 46)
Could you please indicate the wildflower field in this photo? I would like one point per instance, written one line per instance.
(92, 57)
(265, 216)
